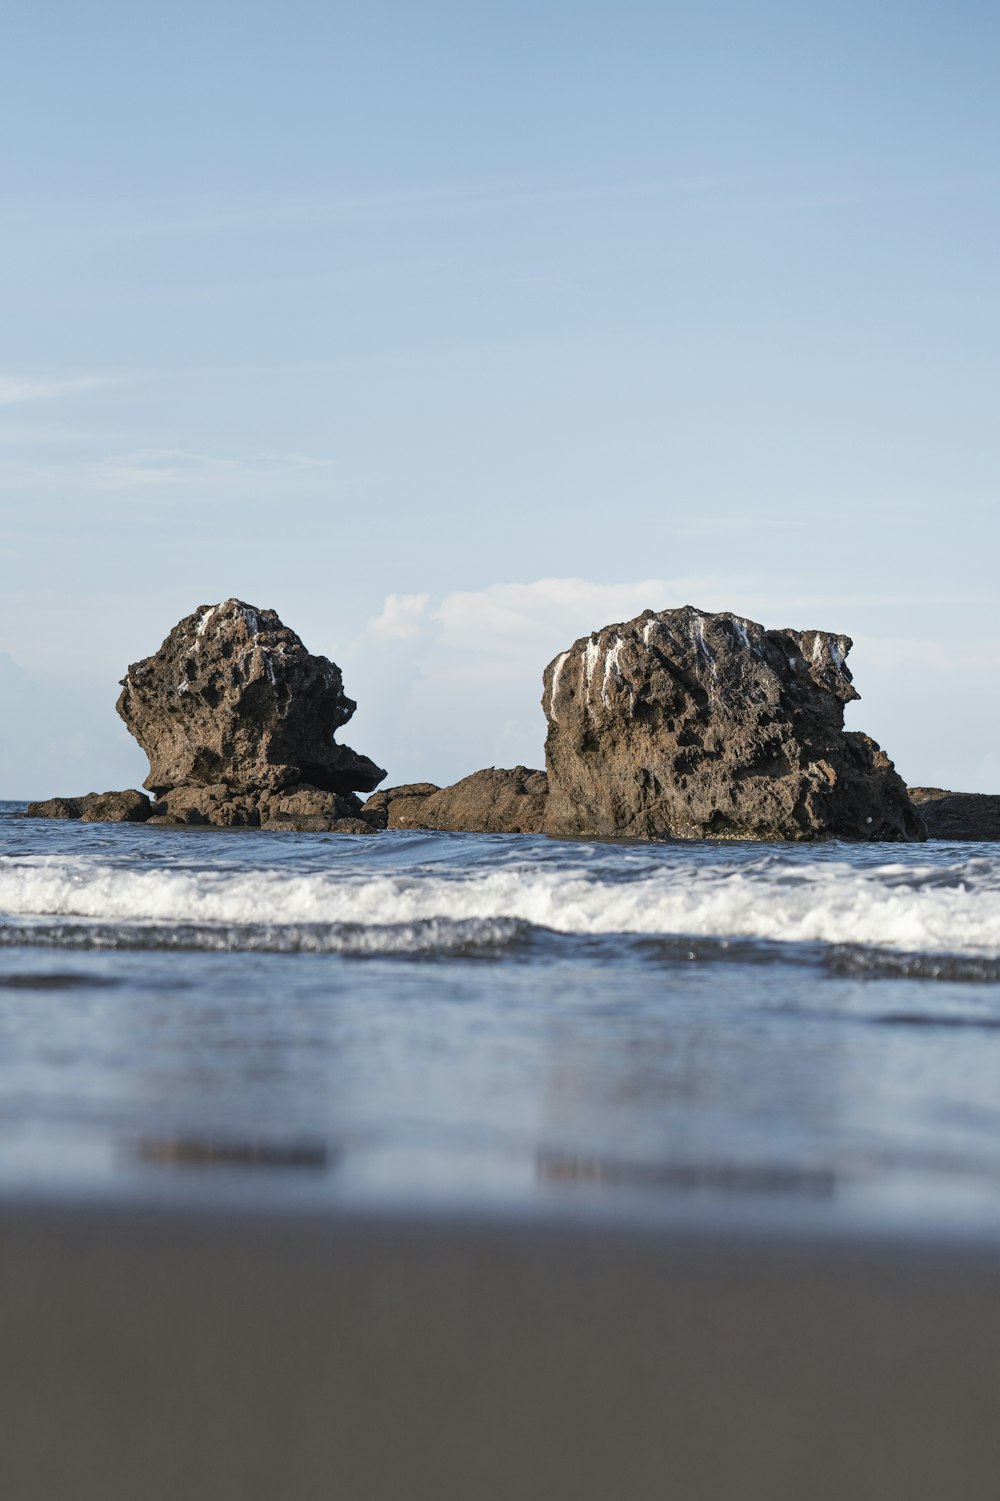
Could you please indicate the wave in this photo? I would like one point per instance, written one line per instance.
(434, 937)
(930, 910)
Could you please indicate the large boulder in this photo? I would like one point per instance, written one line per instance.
(380, 812)
(129, 806)
(496, 800)
(958, 815)
(232, 697)
(694, 725)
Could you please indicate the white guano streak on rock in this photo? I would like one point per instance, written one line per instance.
(202, 625)
(554, 689)
(252, 619)
(701, 645)
(590, 657)
(611, 666)
(832, 647)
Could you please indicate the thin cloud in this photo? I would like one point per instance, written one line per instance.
(178, 467)
(17, 388)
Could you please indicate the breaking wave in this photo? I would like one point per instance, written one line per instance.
(947, 914)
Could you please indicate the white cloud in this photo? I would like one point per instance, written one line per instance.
(511, 618)
(402, 615)
(451, 682)
(15, 388)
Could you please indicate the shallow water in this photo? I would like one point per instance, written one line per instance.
(510, 1024)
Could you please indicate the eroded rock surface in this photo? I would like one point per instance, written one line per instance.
(496, 800)
(130, 806)
(958, 815)
(697, 725)
(378, 809)
(233, 698)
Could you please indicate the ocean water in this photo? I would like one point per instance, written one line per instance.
(501, 1024)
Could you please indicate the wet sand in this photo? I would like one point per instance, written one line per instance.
(148, 1355)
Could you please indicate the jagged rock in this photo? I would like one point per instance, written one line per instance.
(311, 808)
(300, 808)
(493, 801)
(59, 807)
(377, 810)
(233, 697)
(958, 815)
(217, 804)
(696, 725)
(308, 802)
(129, 806)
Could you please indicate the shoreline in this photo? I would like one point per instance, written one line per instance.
(155, 1353)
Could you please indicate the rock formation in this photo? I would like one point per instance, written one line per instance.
(129, 806)
(293, 808)
(232, 697)
(238, 722)
(958, 815)
(679, 724)
(694, 725)
(493, 801)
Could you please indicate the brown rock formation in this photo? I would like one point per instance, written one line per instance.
(129, 806)
(694, 725)
(232, 697)
(493, 801)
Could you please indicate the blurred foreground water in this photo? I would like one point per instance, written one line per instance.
(501, 1024)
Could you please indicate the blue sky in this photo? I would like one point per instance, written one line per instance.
(455, 331)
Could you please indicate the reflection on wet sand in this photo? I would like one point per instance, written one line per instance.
(203, 1151)
(725, 1177)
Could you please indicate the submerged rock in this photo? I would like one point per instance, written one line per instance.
(958, 815)
(493, 801)
(129, 806)
(694, 725)
(232, 697)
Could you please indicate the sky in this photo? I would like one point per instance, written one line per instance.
(455, 331)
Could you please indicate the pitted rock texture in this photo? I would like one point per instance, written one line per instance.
(378, 809)
(232, 697)
(129, 806)
(496, 800)
(958, 815)
(293, 809)
(692, 725)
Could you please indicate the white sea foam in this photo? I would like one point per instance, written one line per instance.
(928, 909)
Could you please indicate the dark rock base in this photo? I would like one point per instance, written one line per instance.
(492, 801)
(97, 807)
(958, 815)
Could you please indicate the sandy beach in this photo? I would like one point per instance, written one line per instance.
(152, 1354)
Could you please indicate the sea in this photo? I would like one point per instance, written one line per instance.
(440, 1024)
